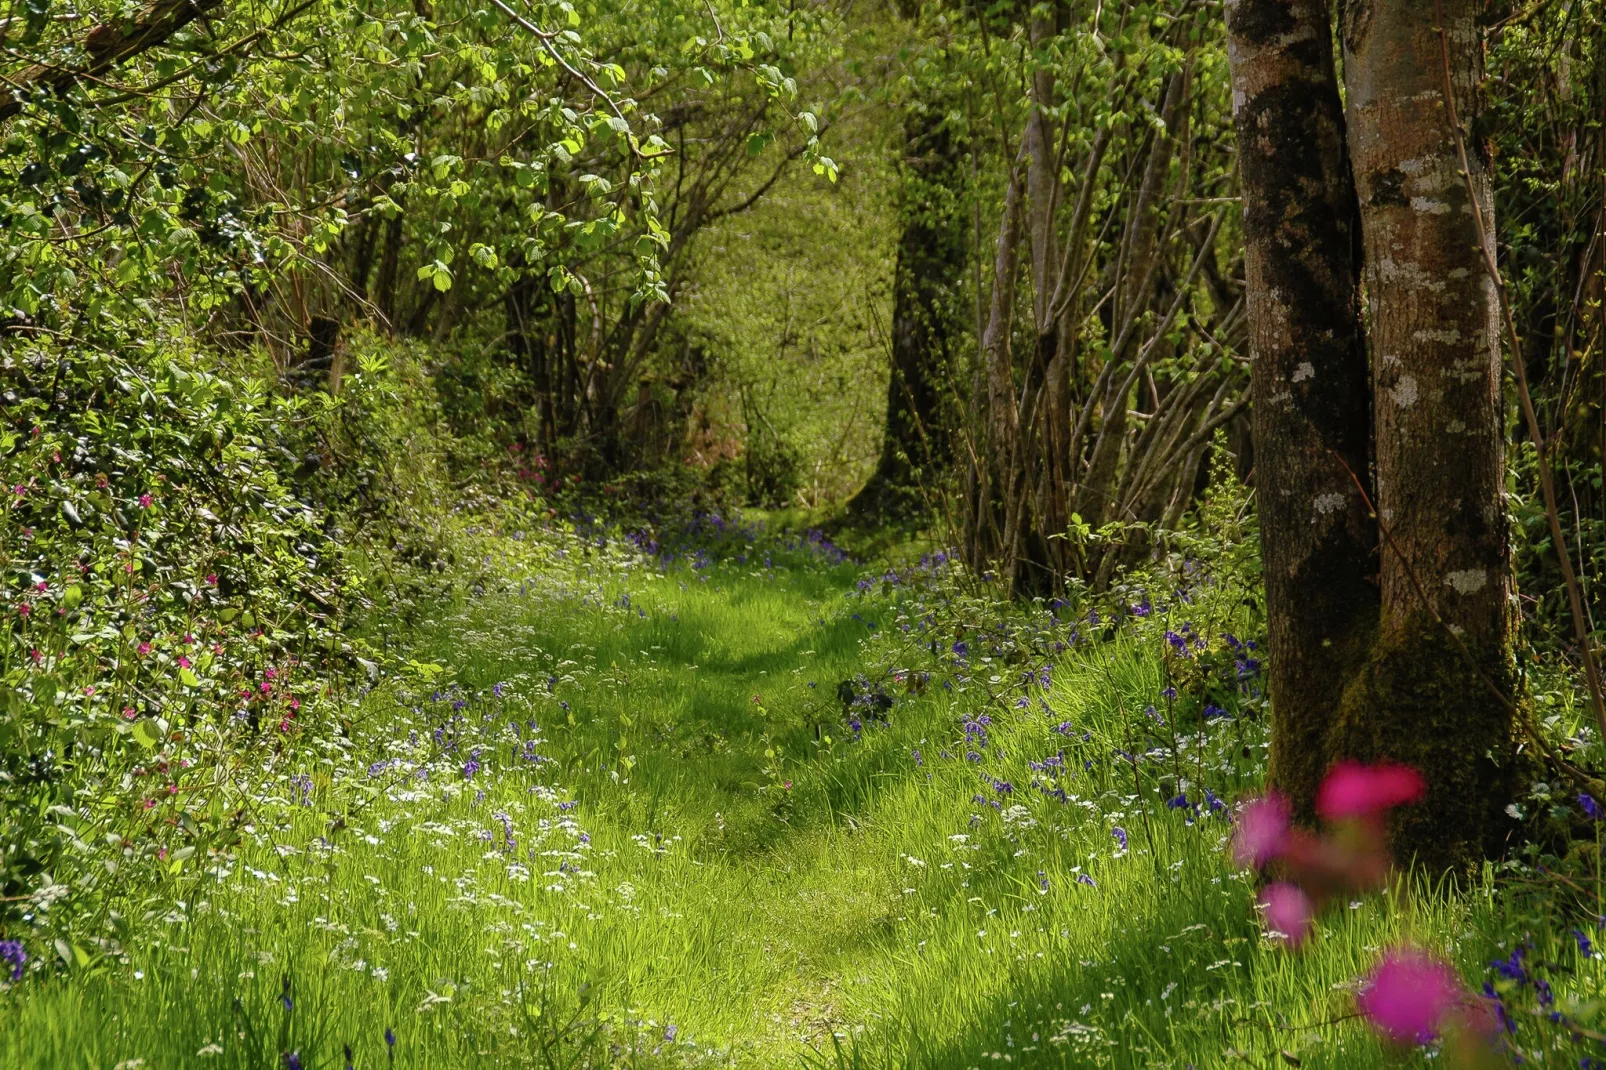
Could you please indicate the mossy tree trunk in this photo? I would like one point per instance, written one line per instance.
(1312, 408)
(1429, 696)
(926, 285)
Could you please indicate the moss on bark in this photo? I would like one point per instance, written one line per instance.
(1417, 701)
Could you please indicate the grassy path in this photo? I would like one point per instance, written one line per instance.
(640, 831)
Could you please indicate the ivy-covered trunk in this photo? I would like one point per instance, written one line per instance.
(1437, 694)
(1312, 412)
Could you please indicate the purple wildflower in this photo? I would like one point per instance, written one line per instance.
(14, 955)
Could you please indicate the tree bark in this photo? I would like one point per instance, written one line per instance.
(926, 279)
(990, 466)
(1311, 407)
(1443, 650)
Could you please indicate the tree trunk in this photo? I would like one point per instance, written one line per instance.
(1309, 379)
(990, 466)
(1426, 699)
(926, 280)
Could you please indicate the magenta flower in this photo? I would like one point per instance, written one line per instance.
(1355, 790)
(1262, 830)
(184, 662)
(144, 648)
(1288, 911)
(144, 501)
(1409, 995)
(25, 609)
(211, 579)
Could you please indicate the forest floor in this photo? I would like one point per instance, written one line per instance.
(638, 827)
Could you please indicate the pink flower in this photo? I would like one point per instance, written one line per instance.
(144, 648)
(42, 587)
(128, 713)
(1355, 790)
(266, 687)
(1288, 911)
(211, 579)
(144, 501)
(1262, 830)
(270, 673)
(183, 662)
(1409, 995)
(25, 609)
(295, 703)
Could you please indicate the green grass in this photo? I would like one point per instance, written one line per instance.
(739, 882)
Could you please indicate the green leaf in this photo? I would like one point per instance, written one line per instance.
(188, 678)
(145, 734)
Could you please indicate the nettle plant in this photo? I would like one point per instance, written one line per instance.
(168, 611)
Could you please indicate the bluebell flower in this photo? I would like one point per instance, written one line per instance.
(1042, 881)
(1083, 878)
(390, 1040)
(1585, 947)
(1511, 969)
(284, 995)
(349, 1065)
(13, 954)
(1502, 1017)
(292, 1060)
(1178, 802)
(1590, 806)
(1120, 836)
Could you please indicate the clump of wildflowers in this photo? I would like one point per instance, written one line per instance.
(1410, 996)
(14, 955)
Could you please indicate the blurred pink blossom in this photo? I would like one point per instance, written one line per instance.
(1355, 790)
(1262, 830)
(1409, 995)
(1288, 911)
